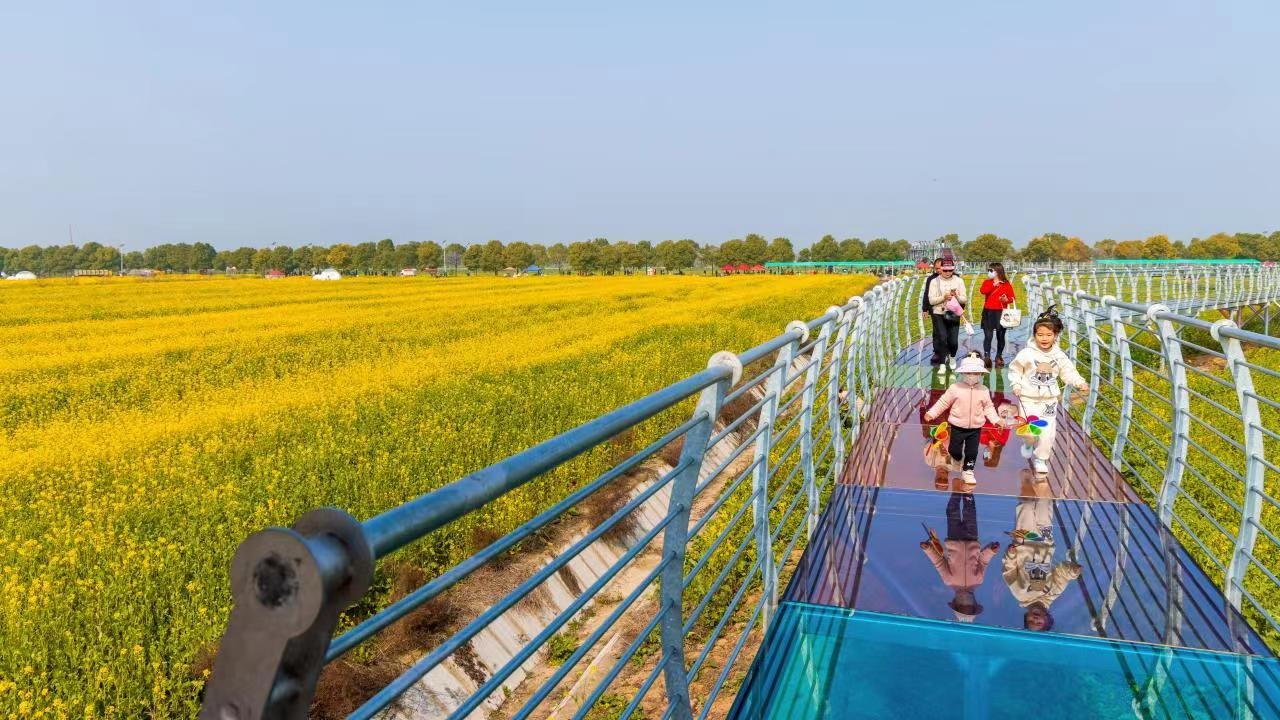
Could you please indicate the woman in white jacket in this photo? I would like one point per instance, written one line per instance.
(1034, 377)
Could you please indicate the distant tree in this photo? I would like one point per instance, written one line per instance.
(1104, 249)
(646, 254)
(519, 255)
(453, 255)
(133, 260)
(558, 255)
(1216, 246)
(880, 249)
(1259, 246)
(493, 257)
(755, 249)
(780, 250)
(362, 257)
(805, 255)
(852, 250)
(1074, 250)
(901, 249)
(584, 257)
(540, 255)
(826, 249)
(282, 259)
(951, 240)
(430, 255)
(988, 247)
(304, 259)
(1130, 249)
(202, 255)
(1040, 249)
(1157, 247)
(633, 255)
(709, 256)
(106, 258)
(473, 257)
(732, 252)
(677, 254)
(261, 260)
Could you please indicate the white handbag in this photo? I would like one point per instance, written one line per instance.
(1010, 317)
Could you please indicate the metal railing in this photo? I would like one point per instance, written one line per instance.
(737, 463)
(1186, 415)
(763, 436)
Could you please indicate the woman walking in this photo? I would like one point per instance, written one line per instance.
(999, 295)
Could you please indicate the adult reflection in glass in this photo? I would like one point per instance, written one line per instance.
(1028, 564)
(961, 561)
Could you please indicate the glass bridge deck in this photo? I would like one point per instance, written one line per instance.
(1101, 614)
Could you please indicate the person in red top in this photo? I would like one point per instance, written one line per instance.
(999, 295)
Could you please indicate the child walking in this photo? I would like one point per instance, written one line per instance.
(970, 406)
(1034, 377)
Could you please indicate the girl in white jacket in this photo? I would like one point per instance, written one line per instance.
(1034, 377)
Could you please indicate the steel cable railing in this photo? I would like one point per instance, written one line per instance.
(1184, 410)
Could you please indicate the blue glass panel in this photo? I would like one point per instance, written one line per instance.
(1094, 568)
(823, 662)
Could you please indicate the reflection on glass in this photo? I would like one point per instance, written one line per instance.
(1029, 570)
(961, 561)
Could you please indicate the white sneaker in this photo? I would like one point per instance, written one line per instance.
(1027, 451)
(952, 363)
(942, 369)
(1041, 466)
(969, 479)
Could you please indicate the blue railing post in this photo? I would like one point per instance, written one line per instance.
(760, 476)
(1255, 464)
(834, 420)
(858, 314)
(1180, 401)
(675, 539)
(1095, 362)
(808, 406)
(1121, 339)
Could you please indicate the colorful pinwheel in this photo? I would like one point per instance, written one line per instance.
(1033, 426)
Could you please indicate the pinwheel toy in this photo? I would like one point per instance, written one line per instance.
(1033, 426)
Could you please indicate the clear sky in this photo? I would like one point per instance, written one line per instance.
(244, 123)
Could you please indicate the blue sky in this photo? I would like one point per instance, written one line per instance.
(246, 123)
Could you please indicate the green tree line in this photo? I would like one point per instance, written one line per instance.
(601, 255)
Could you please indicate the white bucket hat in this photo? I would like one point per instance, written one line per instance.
(971, 365)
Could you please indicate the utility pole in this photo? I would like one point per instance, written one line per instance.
(120, 247)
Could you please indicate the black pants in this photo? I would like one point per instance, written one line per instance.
(964, 443)
(962, 517)
(946, 338)
(991, 326)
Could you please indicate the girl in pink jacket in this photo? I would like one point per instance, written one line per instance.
(970, 405)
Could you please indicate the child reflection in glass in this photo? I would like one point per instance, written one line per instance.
(1028, 564)
(961, 561)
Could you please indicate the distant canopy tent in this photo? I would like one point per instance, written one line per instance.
(727, 268)
(757, 268)
(533, 270)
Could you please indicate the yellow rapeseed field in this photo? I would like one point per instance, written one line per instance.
(150, 425)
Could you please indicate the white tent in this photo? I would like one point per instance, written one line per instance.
(327, 274)
(23, 275)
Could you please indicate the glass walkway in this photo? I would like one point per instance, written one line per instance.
(1114, 619)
